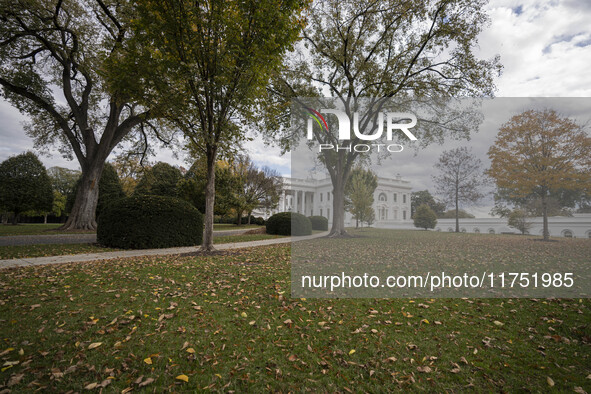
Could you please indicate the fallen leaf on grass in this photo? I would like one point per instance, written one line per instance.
(5, 352)
(292, 358)
(190, 350)
(146, 382)
(91, 386)
(424, 369)
(351, 351)
(148, 360)
(15, 379)
(184, 378)
(94, 345)
(550, 381)
(498, 323)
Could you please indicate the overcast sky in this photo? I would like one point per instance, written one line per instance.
(545, 48)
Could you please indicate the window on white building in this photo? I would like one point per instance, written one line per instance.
(382, 197)
(404, 198)
(321, 197)
(328, 213)
(403, 215)
(395, 197)
(320, 211)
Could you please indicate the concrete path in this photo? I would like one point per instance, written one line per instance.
(42, 239)
(144, 252)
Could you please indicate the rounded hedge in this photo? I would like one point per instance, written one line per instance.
(319, 223)
(289, 223)
(147, 221)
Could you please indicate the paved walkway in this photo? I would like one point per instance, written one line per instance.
(42, 239)
(144, 252)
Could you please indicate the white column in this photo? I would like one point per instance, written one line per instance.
(295, 200)
(304, 203)
(284, 203)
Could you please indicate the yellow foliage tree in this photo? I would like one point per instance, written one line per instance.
(539, 151)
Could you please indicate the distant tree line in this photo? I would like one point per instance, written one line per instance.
(29, 190)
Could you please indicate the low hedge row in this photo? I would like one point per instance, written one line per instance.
(319, 223)
(148, 221)
(289, 223)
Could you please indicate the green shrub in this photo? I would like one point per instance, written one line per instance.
(289, 223)
(425, 217)
(259, 221)
(145, 221)
(319, 223)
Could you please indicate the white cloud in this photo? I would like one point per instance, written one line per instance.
(545, 49)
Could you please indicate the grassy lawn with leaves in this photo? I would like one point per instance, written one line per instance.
(23, 251)
(35, 229)
(227, 322)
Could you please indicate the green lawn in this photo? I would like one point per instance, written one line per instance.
(35, 229)
(227, 322)
(227, 226)
(22, 251)
(244, 238)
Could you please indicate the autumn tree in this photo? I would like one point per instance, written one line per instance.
(254, 187)
(539, 152)
(210, 61)
(396, 51)
(130, 170)
(359, 194)
(24, 185)
(59, 65)
(460, 179)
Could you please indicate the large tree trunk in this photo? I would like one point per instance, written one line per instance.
(239, 217)
(207, 244)
(457, 211)
(338, 207)
(545, 217)
(15, 218)
(83, 214)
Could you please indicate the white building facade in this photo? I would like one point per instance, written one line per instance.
(313, 197)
